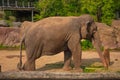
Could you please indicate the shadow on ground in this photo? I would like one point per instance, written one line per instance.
(57, 65)
(95, 62)
(14, 56)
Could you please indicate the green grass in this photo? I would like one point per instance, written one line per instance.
(89, 69)
(3, 47)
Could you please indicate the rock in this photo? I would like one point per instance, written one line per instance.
(9, 36)
(107, 36)
(3, 23)
(13, 38)
(110, 37)
(44, 75)
(16, 24)
(116, 27)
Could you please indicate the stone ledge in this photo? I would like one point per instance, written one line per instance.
(41, 75)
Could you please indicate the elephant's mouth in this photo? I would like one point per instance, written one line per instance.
(88, 37)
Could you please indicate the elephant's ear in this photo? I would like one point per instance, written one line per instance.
(88, 23)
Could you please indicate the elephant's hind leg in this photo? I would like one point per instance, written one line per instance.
(30, 62)
(67, 60)
(29, 65)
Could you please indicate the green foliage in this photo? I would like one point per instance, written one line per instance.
(117, 4)
(8, 17)
(2, 15)
(86, 45)
(91, 7)
(50, 8)
(12, 18)
(101, 10)
(93, 69)
(108, 11)
(2, 47)
(57, 8)
(71, 7)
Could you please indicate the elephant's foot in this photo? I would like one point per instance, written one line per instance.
(107, 57)
(29, 66)
(106, 66)
(19, 66)
(67, 68)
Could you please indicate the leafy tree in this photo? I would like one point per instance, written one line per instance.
(108, 11)
(92, 7)
(102, 10)
(71, 7)
(117, 6)
(58, 8)
(50, 8)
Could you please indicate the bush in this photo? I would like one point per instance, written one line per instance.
(86, 45)
(2, 15)
(12, 18)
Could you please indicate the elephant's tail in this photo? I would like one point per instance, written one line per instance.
(19, 66)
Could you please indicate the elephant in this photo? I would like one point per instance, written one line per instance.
(52, 35)
(24, 27)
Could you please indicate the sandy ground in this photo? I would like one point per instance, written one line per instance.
(10, 58)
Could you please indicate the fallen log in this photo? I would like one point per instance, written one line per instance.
(41, 75)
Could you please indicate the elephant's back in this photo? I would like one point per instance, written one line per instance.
(52, 26)
(55, 21)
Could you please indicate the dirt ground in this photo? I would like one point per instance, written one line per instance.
(10, 58)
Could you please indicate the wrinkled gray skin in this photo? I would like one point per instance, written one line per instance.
(52, 35)
(25, 27)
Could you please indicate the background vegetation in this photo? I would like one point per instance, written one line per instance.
(101, 10)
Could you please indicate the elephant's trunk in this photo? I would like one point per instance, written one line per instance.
(97, 44)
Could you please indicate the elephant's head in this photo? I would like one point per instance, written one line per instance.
(89, 31)
(88, 27)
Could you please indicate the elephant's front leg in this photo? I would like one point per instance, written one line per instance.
(107, 56)
(67, 60)
(75, 48)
